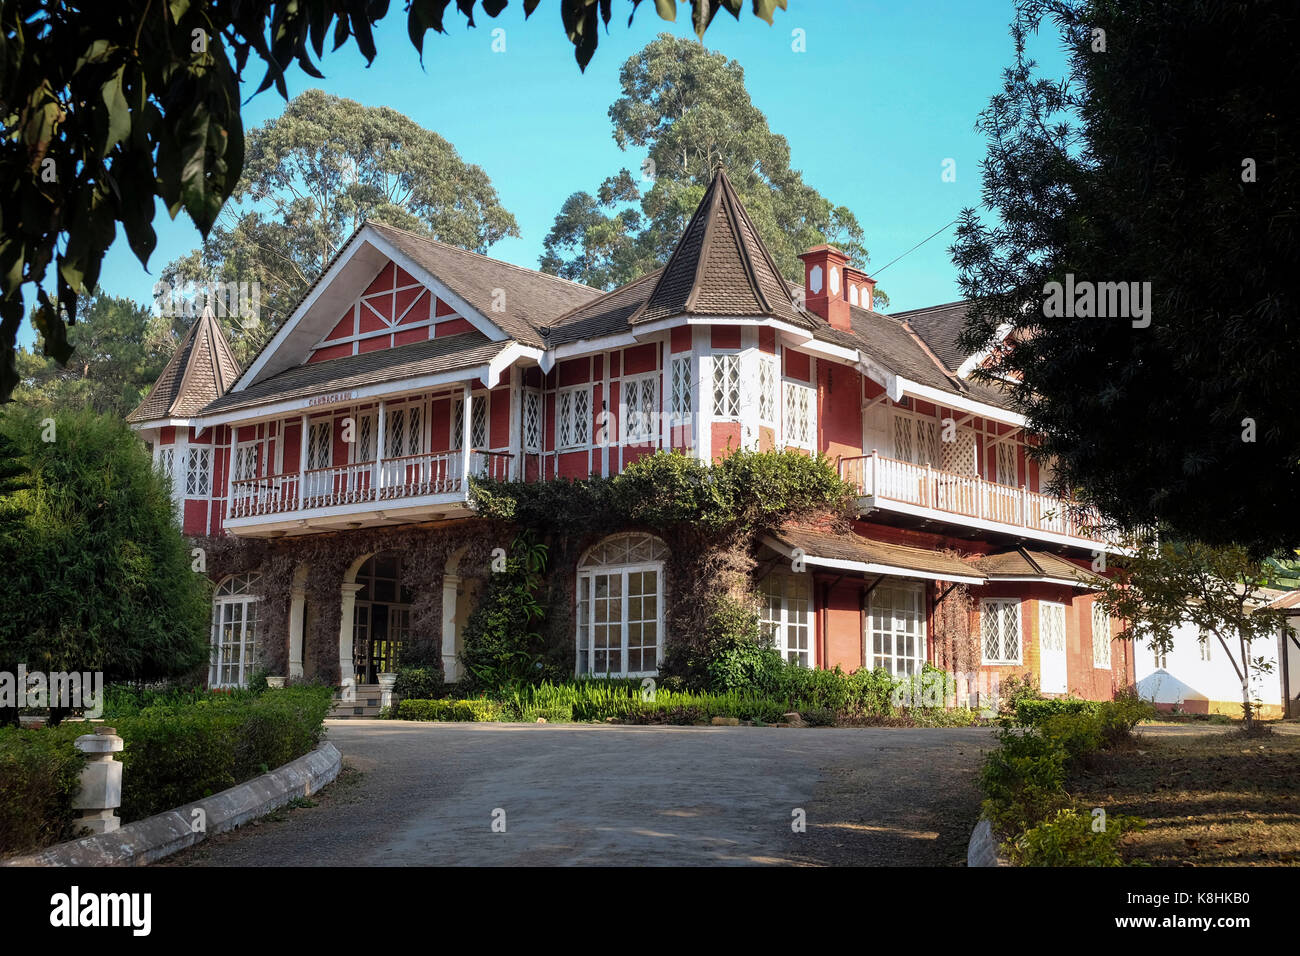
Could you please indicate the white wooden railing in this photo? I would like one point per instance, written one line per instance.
(889, 479)
(390, 479)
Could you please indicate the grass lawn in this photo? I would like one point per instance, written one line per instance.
(1215, 800)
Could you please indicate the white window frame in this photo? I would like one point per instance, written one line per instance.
(786, 614)
(532, 397)
(998, 606)
(198, 471)
(247, 460)
(921, 649)
(1100, 636)
(799, 397)
(726, 369)
(239, 588)
(768, 390)
(924, 436)
(572, 431)
(639, 426)
(1006, 464)
(683, 388)
(586, 617)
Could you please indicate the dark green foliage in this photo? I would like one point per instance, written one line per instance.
(178, 753)
(503, 642)
(1158, 160)
(39, 772)
(99, 576)
(1023, 780)
(116, 104)
(418, 683)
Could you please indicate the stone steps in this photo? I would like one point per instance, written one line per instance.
(366, 704)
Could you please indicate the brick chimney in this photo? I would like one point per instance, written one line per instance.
(824, 287)
(859, 287)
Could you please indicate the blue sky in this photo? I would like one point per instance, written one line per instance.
(883, 95)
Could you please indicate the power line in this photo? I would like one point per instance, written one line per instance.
(876, 272)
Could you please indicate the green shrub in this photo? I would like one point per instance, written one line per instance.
(1117, 718)
(1077, 734)
(552, 714)
(1029, 711)
(818, 716)
(1068, 838)
(1017, 688)
(423, 682)
(503, 640)
(478, 710)
(178, 753)
(39, 774)
(1023, 780)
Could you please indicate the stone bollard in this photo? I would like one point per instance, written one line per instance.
(275, 683)
(386, 682)
(101, 781)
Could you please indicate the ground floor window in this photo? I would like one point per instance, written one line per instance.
(1000, 630)
(620, 607)
(895, 629)
(1100, 636)
(786, 612)
(234, 631)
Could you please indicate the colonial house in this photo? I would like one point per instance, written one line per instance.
(1197, 674)
(328, 482)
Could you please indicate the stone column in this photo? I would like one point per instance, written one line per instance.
(297, 622)
(101, 781)
(450, 659)
(347, 680)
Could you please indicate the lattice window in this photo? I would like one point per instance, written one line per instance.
(198, 472)
(1000, 628)
(402, 431)
(927, 441)
(625, 549)
(363, 448)
(902, 438)
(246, 459)
(318, 447)
(726, 386)
(1007, 464)
(681, 375)
(800, 429)
(573, 411)
(640, 401)
(958, 455)
(1100, 636)
(767, 389)
(532, 421)
(167, 463)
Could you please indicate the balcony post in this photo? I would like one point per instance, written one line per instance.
(1024, 506)
(301, 491)
(875, 461)
(929, 497)
(230, 472)
(465, 431)
(381, 426)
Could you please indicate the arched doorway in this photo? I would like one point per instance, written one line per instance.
(460, 595)
(381, 617)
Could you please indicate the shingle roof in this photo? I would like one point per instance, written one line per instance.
(720, 267)
(1290, 601)
(201, 369)
(1023, 563)
(445, 354)
(854, 547)
(607, 315)
(532, 299)
(939, 326)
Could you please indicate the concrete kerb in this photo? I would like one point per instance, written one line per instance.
(166, 833)
(983, 847)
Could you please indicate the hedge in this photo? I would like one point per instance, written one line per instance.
(1031, 713)
(176, 754)
(461, 710)
(39, 772)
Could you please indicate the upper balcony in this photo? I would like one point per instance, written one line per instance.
(929, 494)
(409, 488)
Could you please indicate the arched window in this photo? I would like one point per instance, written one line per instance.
(234, 631)
(621, 607)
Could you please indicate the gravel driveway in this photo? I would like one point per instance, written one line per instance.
(430, 793)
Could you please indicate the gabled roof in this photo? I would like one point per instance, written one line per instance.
(1023, 563)
(606, 315)
(720, 267)
(432, 356)
(529, 300)
(939, 326)
(201, 369)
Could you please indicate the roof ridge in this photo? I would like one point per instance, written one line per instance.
(925, 347)
(480, 255)
(928, 308)
(558, 320)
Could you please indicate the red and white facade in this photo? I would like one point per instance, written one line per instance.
(410, 367)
